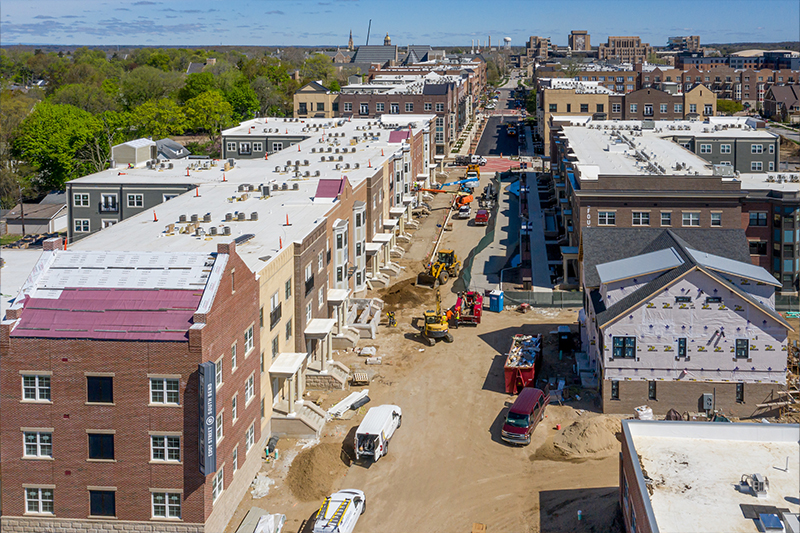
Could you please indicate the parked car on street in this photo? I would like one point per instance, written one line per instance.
(524, 415)
(340, 512)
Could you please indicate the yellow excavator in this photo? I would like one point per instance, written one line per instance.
(436, 324)
(439, 271)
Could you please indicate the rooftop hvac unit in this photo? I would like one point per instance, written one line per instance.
(284, 186)
(277, 168)
(226, 230)
(194, 218)
(207, 217)
(305, 162)
(295, 186)
(182, 218)
(316, 172)
(228, 217)
(170, 166)
(274, 186)
(254, 215)
(240, 216)
(757, 484)
(306, 174)
(265, 191)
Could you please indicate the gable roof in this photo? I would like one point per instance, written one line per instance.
(639, 265)
(36, 212)
(787, 95)
(604, 245)
(375, 54)
(170, 149)
(416, 54)
(734, 268)
(315, 86)
(688, 264)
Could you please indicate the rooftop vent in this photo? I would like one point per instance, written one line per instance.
(207, 217)
(254, 215)
(228, 217)
(212, 230)
(226, 230)
(182, 218)
(194, 218)
(240, 215)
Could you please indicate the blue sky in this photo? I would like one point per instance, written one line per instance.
(435, 22)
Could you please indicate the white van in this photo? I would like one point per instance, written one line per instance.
(376, 430)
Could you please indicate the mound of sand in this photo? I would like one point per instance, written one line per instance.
(404, 294)
(314, 471)
(587, 438)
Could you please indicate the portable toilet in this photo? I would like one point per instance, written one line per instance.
(564, 339)
(496, 301)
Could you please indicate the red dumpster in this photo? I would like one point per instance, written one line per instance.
(523, 362)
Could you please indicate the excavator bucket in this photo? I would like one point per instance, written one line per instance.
(425, 279)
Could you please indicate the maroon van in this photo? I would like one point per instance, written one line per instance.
(524, 415)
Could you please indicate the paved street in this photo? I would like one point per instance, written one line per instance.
(495, 141)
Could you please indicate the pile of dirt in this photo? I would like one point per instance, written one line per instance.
(314, 471)
(404, 294)
(587, 438)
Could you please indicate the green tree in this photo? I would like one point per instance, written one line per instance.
(159, 60)
(196, 84)
(50, 138)
(334, 86)
(209, 112)
(90, 98)
(318, 67)
(243, 100)
(270, 98)
(14, 173)
(148, 83)
(159, 119)
(729, 107)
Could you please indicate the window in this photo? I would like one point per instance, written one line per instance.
(288, 329)
(235, 459)
(261, 362)
(233, 357)
(348, 106)
(258, 147)
(691, 219)
(101, 446)
(320, 298)
(678, 108)
(662, 108)
(624, 347)
(440, 107)
(651, 390)
(249, 389)
(363, 109)
(600, 108)
(708, 109)
(80, 200)
(409, 107)
(606, 218)
(302, 108)
(99, 389)
(714, 300)
(165, 448)
(615, 390)
(244, 149)
(39, 501)
(217, 483)
(742, 348)
(648, 110)
(682, 347)
(166, 504)
(231, 147)
(220, 435)
(724, 148)
(250, 436)
(218, 372)
(716, 219)
(36, 388)
(756, 148)
(666, 218)
(771, 148)
(275, 347)
(692, 108)
(309, 314)
(38, 444)
(320, 106)
(756, 166)
(81, 225)
(394, 109)
(634, 108)
(584, 108)
(339, 274)
(771, 166)
(758, 218)
(427, 106)
(249, 342)
(705, 148)
(740, 392)
(287, 289)
(616, 108)
(569, 108)
(135, 200)
(683, 299)
(234, 408)
(379, 107)
(641, 218)
(277, 146)
(758, 248)
(261, 316)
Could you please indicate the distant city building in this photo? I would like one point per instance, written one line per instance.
(579, 40)
(350, 42)
(538, 47)
(627, 49)
(690, 43)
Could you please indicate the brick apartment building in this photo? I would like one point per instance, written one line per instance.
(102, 418)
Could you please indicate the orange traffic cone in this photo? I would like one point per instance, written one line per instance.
(155, 218)
(197, 192)
(223, 177)
(369, 163)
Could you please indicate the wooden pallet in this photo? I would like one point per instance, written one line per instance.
(359, 378)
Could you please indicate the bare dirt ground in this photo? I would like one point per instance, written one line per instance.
(448, 467)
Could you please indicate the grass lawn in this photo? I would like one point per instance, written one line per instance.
(8, 239)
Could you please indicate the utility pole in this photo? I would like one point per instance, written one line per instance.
(21, 209)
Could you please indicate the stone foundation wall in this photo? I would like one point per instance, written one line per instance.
(322, 382)
(66, 525)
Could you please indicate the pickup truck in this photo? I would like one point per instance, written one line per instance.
(376, 430)
(482, 217)
(340, 511)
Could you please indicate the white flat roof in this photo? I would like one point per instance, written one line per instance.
(319, 327)
(15, 272)
(771, 181)
(338, 295)
(287, 364)
(695, 467)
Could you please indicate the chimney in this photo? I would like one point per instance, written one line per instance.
(51, 245)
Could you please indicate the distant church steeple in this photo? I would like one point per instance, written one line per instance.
(387, 41)
(350, 42)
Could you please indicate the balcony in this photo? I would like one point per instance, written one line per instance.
(274, 317)
(309, 285)
(109, 207)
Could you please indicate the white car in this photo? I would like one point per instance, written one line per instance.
(340, 511)
(464, 212)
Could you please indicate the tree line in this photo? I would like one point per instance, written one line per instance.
(85, 102)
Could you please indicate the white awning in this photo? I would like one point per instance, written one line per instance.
(287, 364)
(373, 248)
(397, 212)
(408, 199)
(319, 327)
(390, 223)
(337, 296)
(383, 238)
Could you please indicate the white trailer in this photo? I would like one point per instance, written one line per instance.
(376, 430)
